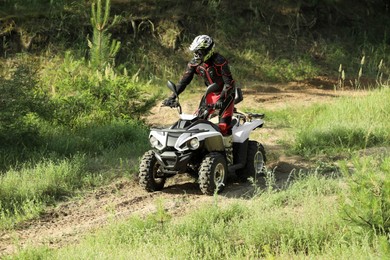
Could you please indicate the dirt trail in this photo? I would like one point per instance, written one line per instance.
(68, 222)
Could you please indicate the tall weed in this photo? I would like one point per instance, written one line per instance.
(94, 139)
(107, 151)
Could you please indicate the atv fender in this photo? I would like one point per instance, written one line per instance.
(242, 132)
(215, 143)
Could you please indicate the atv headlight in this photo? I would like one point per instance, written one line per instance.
(194, 143)
(153, 141)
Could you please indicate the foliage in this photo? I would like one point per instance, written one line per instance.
(366, 202)
(84, 96)
(292, 41)
(87, 123)
(21, 102)
(102, 49)
(61, 110)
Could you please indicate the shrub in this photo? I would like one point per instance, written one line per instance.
(21, 101)
(102, 49)
(83, 96)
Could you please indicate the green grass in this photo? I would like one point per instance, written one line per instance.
(287, 223)
(69, 163)
(349, 124)
(277, 223)
(25, 193)
(301, 221)
(343, 126)
(72, 155)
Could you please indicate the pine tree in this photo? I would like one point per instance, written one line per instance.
(102, 49)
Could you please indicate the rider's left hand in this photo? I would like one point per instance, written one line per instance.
(219, 104)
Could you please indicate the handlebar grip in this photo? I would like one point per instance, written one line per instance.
(175, 104)
(171, 105)
(256, 115)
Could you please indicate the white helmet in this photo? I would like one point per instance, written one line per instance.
(202, 47)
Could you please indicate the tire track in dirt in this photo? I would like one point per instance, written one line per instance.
(70, 221)
(67, 221)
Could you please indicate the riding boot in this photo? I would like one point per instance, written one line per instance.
(228, 143)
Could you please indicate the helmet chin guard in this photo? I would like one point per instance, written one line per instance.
(202, 47)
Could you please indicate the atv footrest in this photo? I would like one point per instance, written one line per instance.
(234, 167)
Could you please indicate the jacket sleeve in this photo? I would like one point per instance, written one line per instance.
(187, 77)
(229, 83)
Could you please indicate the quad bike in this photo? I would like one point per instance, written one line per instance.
(195, 145)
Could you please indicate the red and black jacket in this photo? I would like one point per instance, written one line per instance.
(214, 70)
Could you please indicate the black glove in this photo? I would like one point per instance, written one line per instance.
(218, 105)
(169, 102)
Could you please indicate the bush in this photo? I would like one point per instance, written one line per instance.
(83, 96)
(21, 103)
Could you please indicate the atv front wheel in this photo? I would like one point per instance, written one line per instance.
(212, 173)
(150, 176)
(255, 162)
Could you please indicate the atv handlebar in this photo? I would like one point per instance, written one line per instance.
(174, 104)
(205, 109)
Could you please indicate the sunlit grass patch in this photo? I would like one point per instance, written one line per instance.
(351, 123)
(24, 193)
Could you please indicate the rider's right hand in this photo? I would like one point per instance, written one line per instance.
(169, 102)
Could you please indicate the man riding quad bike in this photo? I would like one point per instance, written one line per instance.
(195, 145)
(211, 67)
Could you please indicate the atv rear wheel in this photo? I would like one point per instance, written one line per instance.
(256, 160)
(150, 176)
(212, 173)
